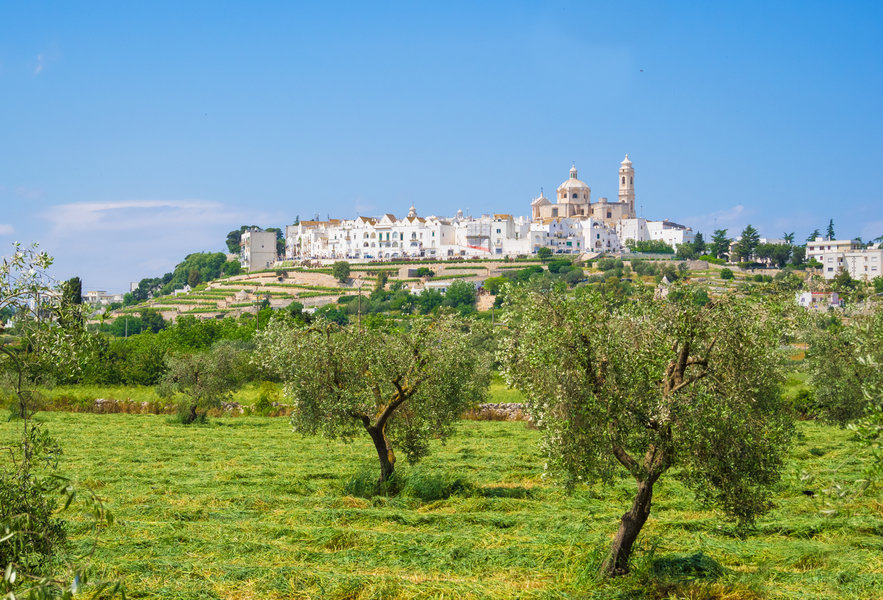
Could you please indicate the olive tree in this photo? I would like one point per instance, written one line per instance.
(205, 379)
(652, 386)
(842, 359)
(402, 386)
(341, 270)
(33, 538)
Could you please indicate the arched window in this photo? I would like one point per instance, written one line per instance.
(632, 180)
(574, 194)
(623, 178)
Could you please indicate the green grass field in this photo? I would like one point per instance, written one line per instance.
(244, 508)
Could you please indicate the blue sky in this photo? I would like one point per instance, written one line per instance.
(132, 134)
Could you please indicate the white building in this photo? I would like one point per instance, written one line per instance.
(865, 264)
(258, 249)
(819, 300)
(101, 297)
(642, 230)
(820, 246)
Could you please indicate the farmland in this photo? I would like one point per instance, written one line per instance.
(244, 508)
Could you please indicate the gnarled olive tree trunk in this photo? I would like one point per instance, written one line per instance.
(629, 527)
(384, 451)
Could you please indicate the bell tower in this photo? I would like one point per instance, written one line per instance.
(627, 185)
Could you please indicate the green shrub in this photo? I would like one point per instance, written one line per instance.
(726, 274)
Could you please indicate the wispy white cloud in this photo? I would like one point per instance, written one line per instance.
(6, 229)
(44, 58)
(137, 215)
(109, 244)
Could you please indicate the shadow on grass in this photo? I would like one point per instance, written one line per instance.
(422, 485)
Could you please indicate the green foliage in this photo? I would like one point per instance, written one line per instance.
(777, 254)
(429, 300)
(72, 292)
(726, 273)
(843, 282)
(404, 387)
(341, 270)
(747, 244)
(720, 243)
(425, 272)
(841, 359)
(461, 296)
(644, 267)
(647, 386)
(231, 268)
(205, 379)
(33, 539)
(525, 274)
(494, 285)
(332, 313)
(544, 253)
(27, 506)
(651, 247)
(560, 264)
(686, 251)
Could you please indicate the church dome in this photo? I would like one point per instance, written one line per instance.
(626, 162)
(574, 184)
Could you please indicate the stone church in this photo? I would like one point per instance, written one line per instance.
(574, 200)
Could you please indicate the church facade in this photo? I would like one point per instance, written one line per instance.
(573, 200)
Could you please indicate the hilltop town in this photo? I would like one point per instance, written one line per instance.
(572, 224)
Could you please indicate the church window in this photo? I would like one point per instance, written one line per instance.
(609, 214)
(631, 180)
(574, 194)
(623, 179)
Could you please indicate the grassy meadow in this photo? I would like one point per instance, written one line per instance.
(244, 508)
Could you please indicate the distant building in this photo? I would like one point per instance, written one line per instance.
(835, 255)
(257, 249)
(102, 297)
(819, 247)
(819, 300)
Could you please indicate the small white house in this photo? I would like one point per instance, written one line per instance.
(819, 300)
